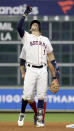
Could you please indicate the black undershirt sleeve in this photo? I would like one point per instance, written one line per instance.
(20, 27)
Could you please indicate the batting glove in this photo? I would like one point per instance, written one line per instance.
(28, 10)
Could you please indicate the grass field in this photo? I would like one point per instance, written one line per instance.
(50, 117)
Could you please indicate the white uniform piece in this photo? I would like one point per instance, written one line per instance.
(70, 126)
(36, 50)
(23, 56)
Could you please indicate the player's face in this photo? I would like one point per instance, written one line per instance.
(34, 27)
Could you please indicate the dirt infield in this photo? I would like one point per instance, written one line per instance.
(28, 126)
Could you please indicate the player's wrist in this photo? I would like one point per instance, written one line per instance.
(25, 15)
(54, 77)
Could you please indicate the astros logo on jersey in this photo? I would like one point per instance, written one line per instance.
(66, 5)
(37, 43)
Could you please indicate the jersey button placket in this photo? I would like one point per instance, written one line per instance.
(39, 52)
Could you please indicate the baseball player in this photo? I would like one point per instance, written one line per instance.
(37, 48)
(23, 70)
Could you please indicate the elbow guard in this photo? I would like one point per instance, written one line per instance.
(53, 62)
(22, 62)
(57, 72)
(20, 27)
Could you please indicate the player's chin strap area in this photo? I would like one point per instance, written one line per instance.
(35, 66)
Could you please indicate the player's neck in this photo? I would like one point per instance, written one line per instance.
(36, 33)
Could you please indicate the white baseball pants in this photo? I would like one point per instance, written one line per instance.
(35, 79)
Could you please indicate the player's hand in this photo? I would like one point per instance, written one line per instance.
(28, 10)
(54, 87)
(23, 76)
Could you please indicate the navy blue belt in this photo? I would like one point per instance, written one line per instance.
(36, 66)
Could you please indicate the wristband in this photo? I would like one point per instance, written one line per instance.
(54, 78)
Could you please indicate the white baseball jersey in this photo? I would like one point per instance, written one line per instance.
(23, 54)
(34, 51)
(36, 48)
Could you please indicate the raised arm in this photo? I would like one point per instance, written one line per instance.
(21, 21)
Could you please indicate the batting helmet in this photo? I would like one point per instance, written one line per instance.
(36, 21)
